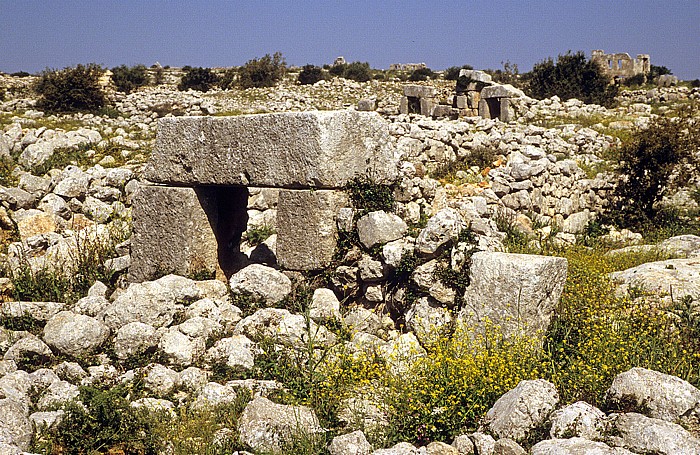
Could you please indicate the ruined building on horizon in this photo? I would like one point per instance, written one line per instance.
(621, 65)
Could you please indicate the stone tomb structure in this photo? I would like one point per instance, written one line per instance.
(189, 215)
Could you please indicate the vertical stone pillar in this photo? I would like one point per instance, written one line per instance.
(306, 227)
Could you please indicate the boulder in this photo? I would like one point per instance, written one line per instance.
(285, 150)
(261, 282)
(679, 277)
(264, 425)
(353, 443)
(575, 446)
(444, 227)
(152, 302)
(234, 352)
(643, 434)
(523, 409)
(516, 291)
(578, 419)
(284, 327)
(134, 338)
(179, 349)
(505, 446)
(654, 394)
(75, 334)
(15, 427)
(214, 394)
(379, 227)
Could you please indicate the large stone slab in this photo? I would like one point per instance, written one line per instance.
(517, 292)
(307, 229)
(172, 232)
(285, 150)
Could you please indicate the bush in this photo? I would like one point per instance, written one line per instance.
(356, 71)
(635, 81)
(421, 74)
(228, 80)
(310, 74)
(658, 158)
(200, 79)
(452, 73)
(71, 89)
(573, 76)
(127, 79)
(263, 72)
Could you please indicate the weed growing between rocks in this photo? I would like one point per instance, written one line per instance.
(257, 235)
(368, 196)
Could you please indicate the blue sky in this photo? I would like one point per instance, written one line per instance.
(54, 34)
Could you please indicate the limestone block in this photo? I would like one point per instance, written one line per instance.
(516, 291)
(475, 75)
(473, 98)
(419, 91)
(484, 110)
(173, 232)
(501, 91)
(307, 228)
(426, 106)
(403, 105)
(287, 150)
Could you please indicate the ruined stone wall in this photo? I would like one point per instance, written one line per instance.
(621, 65)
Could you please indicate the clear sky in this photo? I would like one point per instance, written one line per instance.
(54, 33)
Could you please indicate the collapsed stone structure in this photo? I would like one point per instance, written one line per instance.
(476, 94)
(193, 215)
(620, 65)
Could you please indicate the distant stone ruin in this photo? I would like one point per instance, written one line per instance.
(191, 217)
(476, 94)
(407, 66)
(621, 65)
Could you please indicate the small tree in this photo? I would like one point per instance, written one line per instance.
(657, 159)
(573, 76)
(127, 79)
(201, 79)
(263, 72)
(310, 74)
(71, 89)
(358, 71)
(421, 74)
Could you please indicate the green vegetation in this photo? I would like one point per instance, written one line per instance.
(200, 79)
(263, 72)
(69, 281)
(368, 196)
(356, 71)
(128, 79)
(572, 76)
(310, 74)
(71, 89)
(421, 74)
(257, 235)
(656, 160)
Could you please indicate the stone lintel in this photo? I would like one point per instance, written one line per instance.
(320, 149)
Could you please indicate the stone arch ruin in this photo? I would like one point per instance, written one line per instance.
(190, 213)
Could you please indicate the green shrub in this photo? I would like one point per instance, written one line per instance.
(71, 89)
(310, 74)
(257, 235)
(656, 160)
(127, 79)
(263, 72)
(452, 73)
(104, 421)
(368, 196)
(635, 81)
(228, 80)
(573, 76)
(200, 79)
(20, 74)
(356, 71)
(421, 74)
(656, 71)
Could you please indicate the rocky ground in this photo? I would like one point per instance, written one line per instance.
(185, 344)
